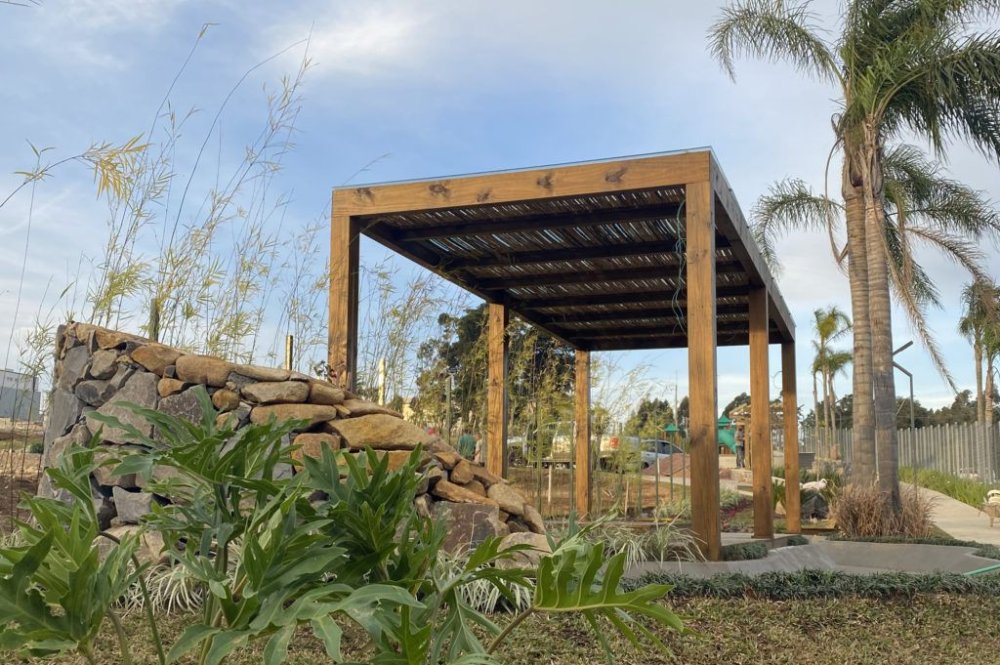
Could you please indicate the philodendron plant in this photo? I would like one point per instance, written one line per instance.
(338, 543)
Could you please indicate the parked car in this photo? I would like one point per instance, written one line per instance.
(657, 449)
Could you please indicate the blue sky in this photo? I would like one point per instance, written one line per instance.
(425, 89)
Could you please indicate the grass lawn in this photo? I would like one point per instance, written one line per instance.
(940, 628)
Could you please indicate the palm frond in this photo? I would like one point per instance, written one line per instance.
(790, 205)
(772, 31)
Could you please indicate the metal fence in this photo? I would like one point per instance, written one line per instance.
(967, 450)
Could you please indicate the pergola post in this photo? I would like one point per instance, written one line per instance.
(344, 287)
(496, 390)
(582, 441)
(790, 408)
(760, 416)
(702, 378)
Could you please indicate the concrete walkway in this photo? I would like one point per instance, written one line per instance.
(959, 520)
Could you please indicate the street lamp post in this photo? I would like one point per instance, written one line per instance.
(909, 376)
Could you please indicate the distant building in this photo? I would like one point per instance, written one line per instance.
(20, 398)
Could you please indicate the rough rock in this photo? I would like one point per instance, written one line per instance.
(325, 393)
(122, 375)
(74, 367)
(161, 473)
(478, 488)
(533, 519)
(183, 405)
(538, 547)
(312, 444)
(112, 339)
(466, 525)
(507, 497)
(203, 369)
(237, 418)
(485, 477)
(423, 505)
(150, 549)
(93, 392)
(225, 400)
(155, 357)
(312, 413)
(462, 473)
(64, 411)
(168, 387)
(359, 407)
(448, 458)
(140, 389)
(449, 491)
(256, 373)
(278, 392)
(379, 431)
(131, 506)
(103, 473)
(104, 364)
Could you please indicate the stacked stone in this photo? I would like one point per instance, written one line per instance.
(97, 370)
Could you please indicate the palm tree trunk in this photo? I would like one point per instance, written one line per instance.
(828, 407)
(863, 423)
(977, 348)
(816, 416)
(990, 387)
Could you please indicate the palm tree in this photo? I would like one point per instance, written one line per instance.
(830, 325)
(900, 65)
(982, 313)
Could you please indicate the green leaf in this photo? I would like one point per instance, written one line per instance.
(277, 647)
(189, 639)
(326, 629)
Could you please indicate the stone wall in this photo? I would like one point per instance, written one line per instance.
(96, 370)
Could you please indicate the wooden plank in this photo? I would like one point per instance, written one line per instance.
(344, 287)
(760, 416)
(534, 222)
(525, 185)
(723, 338)
(496, 389)
(583, 445)
(630, 314)
(588, 275)
(790, 407)
(559, 254)
(582, 300)
(702, 369)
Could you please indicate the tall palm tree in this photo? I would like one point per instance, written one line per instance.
(982, 313)
(900, 65)
(830, 325)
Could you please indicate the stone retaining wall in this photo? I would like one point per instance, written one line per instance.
(97, 370)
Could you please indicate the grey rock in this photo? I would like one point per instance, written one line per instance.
(508, 498)
(64, 411)
(74, 367)
(423, 505)
(106, 511)
(79, 435)
(276, 392)
(103, 473)
(170, 372)
(122, 375)
(466, 525)
(150, 549)
(93, 392)
(131, 506)
(183, 405)
(529, 558)
(240, 381)
(140, 389)
(104, 364)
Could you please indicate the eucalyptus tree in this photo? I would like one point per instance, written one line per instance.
(982, 316)
(899, 66)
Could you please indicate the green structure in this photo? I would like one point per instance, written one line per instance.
(727, 434)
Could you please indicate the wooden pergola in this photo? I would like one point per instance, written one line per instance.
(637, 253)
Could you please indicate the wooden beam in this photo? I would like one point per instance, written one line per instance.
(760, 415)
(582, 300)
(589, 276)
(790, 407)
(652, 341)
(558, 254)
(342, 347)
(619, 175)
(702, 369)
(650, 331)
(537, 222)
(631, 314)
(583, 444)
(496, 389)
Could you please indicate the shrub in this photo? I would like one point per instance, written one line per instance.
(807, 584)
(966, 490)
(744, 551)
(796, 540)
(863, 510)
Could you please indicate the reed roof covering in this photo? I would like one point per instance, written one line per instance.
(593, 253)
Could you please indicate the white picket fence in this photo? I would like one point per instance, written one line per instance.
(968, 450)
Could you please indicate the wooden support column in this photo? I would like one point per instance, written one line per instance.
(790, 407)
(583, 445)
(344, 287)
(702, 378)
(760, 420)
(496, 390)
